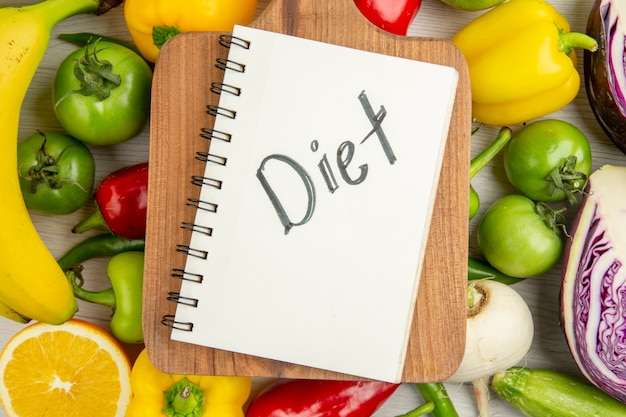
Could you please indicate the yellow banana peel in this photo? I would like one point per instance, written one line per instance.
(32, 284)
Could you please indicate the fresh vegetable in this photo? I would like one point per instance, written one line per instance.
(121, 203)
(593, 311)
(605, 70)
(156, 393)
(521, 62)
(521, 238)
(101, 93)
(546, 393)
(438, 403)
(480, 160)
(478, 269)
(38, 290)
(99, 246)
(56, 172)
(125, 271)
(393, 17)
(499, 334)
(548, 160)
(472, 5)
(330, 398)
(151, 23)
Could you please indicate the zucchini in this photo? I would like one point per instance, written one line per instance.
(546, 393)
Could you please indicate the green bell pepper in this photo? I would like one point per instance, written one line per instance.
(125, 272)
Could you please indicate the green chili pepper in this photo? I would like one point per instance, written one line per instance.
(99, 246)
(437, 403)
(477, 269)
(125, 272)
(480, 160)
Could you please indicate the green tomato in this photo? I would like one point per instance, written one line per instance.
(519, 237)
(548, 160)
(56, 173)
(101, 93)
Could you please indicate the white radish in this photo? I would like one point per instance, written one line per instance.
(499, 334)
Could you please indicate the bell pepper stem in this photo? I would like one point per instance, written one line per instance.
(437, 403)
(104, 297)
(571, 40)
(93, 221)
(184, 398)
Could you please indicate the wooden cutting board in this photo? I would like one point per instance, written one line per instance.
(181, 91)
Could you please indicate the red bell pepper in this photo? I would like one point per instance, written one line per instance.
(320, 398)
(393, 16)
(121, 203)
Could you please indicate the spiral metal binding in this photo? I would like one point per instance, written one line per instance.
(179, 299)
(170, 321)
(193, 227)
(221, 111)
(200, 181)
(208, 157)
(208, 133)
(186, 276)
(219, 88)
(224, 64)
(188, 250)
(228, 64)
(227, 40)
(202, 205)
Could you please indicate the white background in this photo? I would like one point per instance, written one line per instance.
(434, 19)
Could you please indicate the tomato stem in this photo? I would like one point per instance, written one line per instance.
(553, 218)
(96, 76)
(566, 179)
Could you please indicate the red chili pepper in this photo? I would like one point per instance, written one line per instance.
(320, 398)
(393, 16)
(121, 203)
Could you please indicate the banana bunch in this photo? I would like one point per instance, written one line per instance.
(32, 284)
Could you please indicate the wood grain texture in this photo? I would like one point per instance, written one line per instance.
(180, 94)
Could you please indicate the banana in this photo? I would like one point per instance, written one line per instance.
(32, 284)
(9, 313)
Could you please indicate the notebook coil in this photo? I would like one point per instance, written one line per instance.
(170, 321)
(206, 157)
(187, 250)
(210, 134)
(179, 299)
(192, 227)
(186, 276)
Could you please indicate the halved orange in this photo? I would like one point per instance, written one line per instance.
(75, 369)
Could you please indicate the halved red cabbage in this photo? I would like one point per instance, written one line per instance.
(593, 292)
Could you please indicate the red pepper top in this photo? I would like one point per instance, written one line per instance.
(122, 198)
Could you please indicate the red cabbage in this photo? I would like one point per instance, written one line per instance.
(593, 291)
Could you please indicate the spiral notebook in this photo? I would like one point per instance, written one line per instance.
(315, 203)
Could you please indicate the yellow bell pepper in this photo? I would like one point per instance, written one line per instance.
(156, 393)
(152, 22)
(521, 61)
